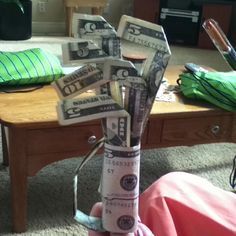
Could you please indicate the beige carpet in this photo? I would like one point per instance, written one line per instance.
(180, 55)
(51, 193)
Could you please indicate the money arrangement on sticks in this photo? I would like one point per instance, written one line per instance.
(123, 98)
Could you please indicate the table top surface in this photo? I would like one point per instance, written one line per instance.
(39, 107)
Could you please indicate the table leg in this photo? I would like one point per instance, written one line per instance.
(96, 10)
(69, 16)
(18, 178)
(4, 146)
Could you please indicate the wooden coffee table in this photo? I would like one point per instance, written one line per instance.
(32, 137)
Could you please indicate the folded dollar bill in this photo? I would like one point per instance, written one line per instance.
(150, 37)
(87, 26)
(142, 32)
(118, 69)
(99, 31)
(117, 131)
(85, 78)
(82, 51)
(113, 89)
(110, 44)
(78, 110)
(137, 83)
(135, 103)
(157, 61)
(154, 77)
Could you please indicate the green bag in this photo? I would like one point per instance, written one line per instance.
(218, 88)
(32, 66)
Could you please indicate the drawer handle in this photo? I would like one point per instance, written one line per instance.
(92, 139)
(215, 129)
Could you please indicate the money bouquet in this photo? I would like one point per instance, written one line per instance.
(124, 92)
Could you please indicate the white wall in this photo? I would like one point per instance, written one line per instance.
(52, 21)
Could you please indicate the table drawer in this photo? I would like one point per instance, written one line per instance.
(63, 139)
(154, 131)
(196, 130)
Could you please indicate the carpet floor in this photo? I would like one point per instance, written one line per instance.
(50, 194)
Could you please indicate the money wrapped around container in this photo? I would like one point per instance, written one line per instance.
(120, 188)
(123, 99)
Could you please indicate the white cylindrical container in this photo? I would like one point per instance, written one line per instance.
(120, 188)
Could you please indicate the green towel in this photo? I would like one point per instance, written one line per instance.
(218, 88)
(32, 66)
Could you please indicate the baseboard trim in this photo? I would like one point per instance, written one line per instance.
(48, 28)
